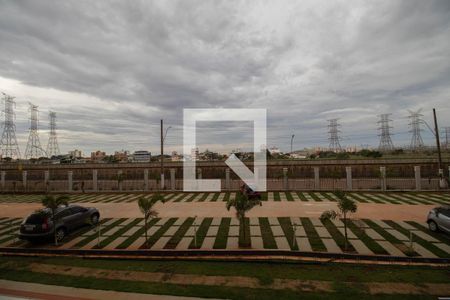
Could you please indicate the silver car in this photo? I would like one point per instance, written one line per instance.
(439, 219)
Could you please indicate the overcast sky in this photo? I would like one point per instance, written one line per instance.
(112, 69)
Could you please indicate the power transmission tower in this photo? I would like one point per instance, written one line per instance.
(52, 146)
(416, 138)
(333, 130)
(447, 138)
(9, 146)
(385, 135)
(34, 149)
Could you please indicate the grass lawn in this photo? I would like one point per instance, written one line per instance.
(340, 275)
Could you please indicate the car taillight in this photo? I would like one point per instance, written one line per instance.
(45, 224)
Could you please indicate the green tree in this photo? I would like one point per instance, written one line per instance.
(52, 203)
(146, 207)
(242, 204)
(345, 206)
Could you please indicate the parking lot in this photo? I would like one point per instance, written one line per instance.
(286, 221)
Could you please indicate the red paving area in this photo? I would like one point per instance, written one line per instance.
(217, 209)
(35, 295)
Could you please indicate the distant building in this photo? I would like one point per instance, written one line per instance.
(274, 150)
(123, 155)
(175, 156)
(76, 153)
(98, 155)
(194, 153)
(141, 156)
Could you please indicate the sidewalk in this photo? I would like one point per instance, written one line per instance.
(24, 290)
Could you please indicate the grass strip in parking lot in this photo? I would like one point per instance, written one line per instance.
(201, 233)
(289, 196)
(368, 241)
(222, 234)
(94, 236)
(337, 236)
(159, 233)
(179, 234)
(226, 197)
(314, 239)
(327, 196)
(125, 244)
(276, 196)
(390, 238)
(118, 233)
(302, 196)
(315, 197)
(381, 198)
(203, 198)
(267, 234)
(440, 236)
(427, 245)
(415, 199)
(357, 196)
(215, 197)
(288, 231)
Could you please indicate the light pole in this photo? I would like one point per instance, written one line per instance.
(292, 141)
(294, 240)
(195, 232)
(163, 137)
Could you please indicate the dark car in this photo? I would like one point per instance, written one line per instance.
(39, 225)
(250, 193)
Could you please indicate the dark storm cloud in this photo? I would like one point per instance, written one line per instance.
(131, 63)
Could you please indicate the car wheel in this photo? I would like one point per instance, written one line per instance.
(94, 219)
(433, 226)
(60, 234)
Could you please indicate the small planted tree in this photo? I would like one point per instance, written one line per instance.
(146, 207)
(242, 204)
(345, 206)
(52, 203)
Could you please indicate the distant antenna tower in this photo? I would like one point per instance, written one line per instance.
(52, 146)
(333, 130)
(385, 135)
(9, 146)
(415, 121)
(34, 149)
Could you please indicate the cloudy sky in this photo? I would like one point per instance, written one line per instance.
(112, 69)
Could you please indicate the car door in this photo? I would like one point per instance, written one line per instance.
(78, 216)
(64, 218)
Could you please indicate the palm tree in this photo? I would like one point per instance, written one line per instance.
(345, 206)
(242, 204)
(52, 203)
(146, 207)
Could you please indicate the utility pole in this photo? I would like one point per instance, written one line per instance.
(292, 140)
(438, 144)
(162, 155)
